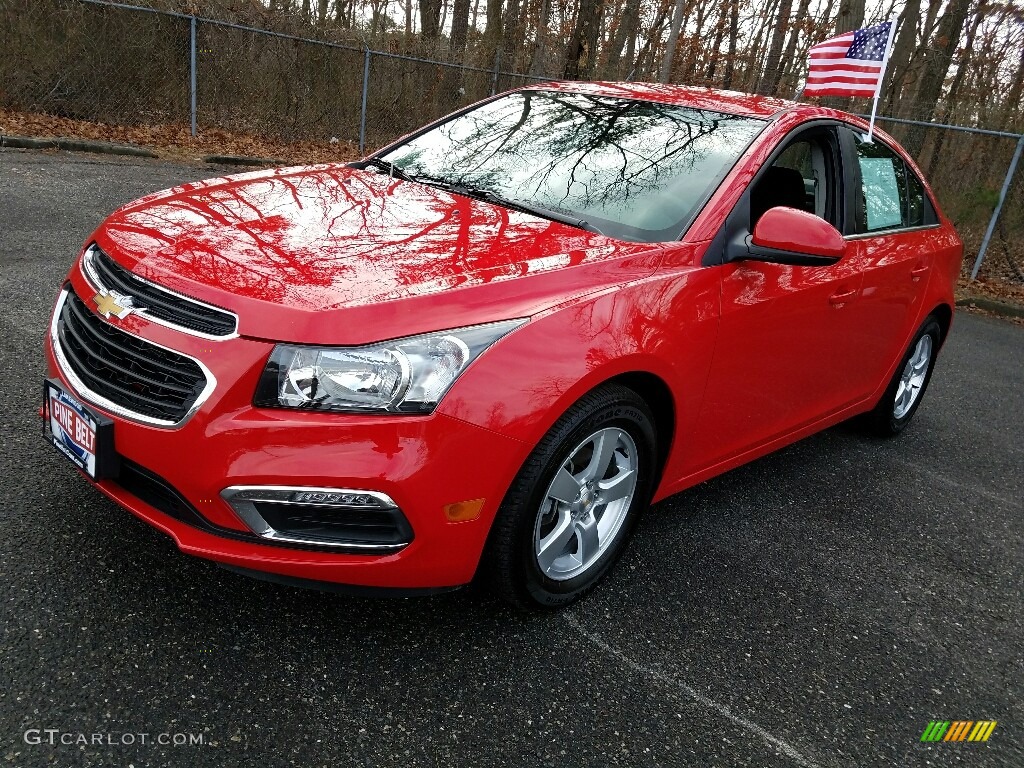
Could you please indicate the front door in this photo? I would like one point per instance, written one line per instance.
(781, 360)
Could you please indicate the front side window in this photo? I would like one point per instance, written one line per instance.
(633, 170)
(803, 176)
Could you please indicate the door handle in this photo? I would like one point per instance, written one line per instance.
(919, 271)
(842, 296)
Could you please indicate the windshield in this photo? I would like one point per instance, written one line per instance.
(634, 170)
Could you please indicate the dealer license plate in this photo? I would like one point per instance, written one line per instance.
(81, 435)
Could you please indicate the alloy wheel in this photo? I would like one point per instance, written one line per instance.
(585, 504)
(913, 377)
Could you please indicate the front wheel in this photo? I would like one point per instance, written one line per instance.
(573, 505)
(907, 387)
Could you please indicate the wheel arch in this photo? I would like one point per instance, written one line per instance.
(656, 393)
(943, 313)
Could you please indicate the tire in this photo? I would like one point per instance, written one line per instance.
(554, 536)
(899, 403)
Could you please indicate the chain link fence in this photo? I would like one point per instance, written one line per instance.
(123, 65)
(94, 62)
(974, 174)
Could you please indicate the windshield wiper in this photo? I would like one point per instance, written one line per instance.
(389, 168)
(480, 193)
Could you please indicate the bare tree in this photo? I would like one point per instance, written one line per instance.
(582, 48)
(430, 19)
(772, 72)
(734, 11)
(670, 46)
(625, 29)
(937, 61)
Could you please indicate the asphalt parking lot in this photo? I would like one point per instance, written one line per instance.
(816, 608)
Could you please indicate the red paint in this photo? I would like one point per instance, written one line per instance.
(788, 229)
(755, 355)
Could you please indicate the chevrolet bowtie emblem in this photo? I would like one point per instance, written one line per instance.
(113, 303)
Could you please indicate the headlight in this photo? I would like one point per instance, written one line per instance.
(402, 376)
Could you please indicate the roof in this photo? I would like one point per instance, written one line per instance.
(728, 102)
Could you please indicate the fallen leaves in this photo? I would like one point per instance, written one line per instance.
(175, 142)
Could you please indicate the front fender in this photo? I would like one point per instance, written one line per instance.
(665, 325)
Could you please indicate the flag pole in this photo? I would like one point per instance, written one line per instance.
(881, 78)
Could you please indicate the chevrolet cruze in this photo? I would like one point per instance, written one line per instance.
(485, 349)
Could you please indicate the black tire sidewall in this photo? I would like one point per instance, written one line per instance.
(885, 419)
(625, 411)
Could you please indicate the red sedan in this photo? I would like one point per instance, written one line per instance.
(484, 350)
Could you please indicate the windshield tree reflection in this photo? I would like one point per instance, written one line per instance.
(636, 170)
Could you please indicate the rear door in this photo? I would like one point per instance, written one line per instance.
(887, 225)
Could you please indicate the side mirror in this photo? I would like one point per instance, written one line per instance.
(789, 236)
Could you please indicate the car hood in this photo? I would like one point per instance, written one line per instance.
(331, 254)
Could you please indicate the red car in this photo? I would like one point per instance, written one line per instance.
(484, 350)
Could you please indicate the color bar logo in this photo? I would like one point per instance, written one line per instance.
(958, 730)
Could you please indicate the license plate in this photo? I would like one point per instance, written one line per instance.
(84, 437)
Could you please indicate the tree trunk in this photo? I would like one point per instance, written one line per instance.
(341, 13)
(430, 19)
(625, 30)
(759, 43)
(772, 72)
(582, 49)
(954, 89)
(907, 105)
(696, 42)
(670, 45)
(723, 19)
(510, 35)
(492, 32)
(644, 62)
(790, 59)
(730, 62)
(902, 49)
(460, 28)
(1012, 105)
(851, 16)
(540, 39)
(944, 44)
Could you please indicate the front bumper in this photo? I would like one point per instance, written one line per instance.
(422, 463)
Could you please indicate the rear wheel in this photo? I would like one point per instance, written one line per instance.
(573, 505)
(906, 389)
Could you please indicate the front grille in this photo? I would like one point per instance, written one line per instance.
(127, 371)
(156, 302)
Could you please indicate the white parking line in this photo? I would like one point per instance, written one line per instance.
(962, 486)
(708, 703)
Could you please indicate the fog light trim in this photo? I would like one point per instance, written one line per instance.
(243, 499)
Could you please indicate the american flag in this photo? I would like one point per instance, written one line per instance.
(851, 64)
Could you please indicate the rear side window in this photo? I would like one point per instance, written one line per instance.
(889, 195)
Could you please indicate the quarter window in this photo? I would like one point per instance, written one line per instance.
(916, 203)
